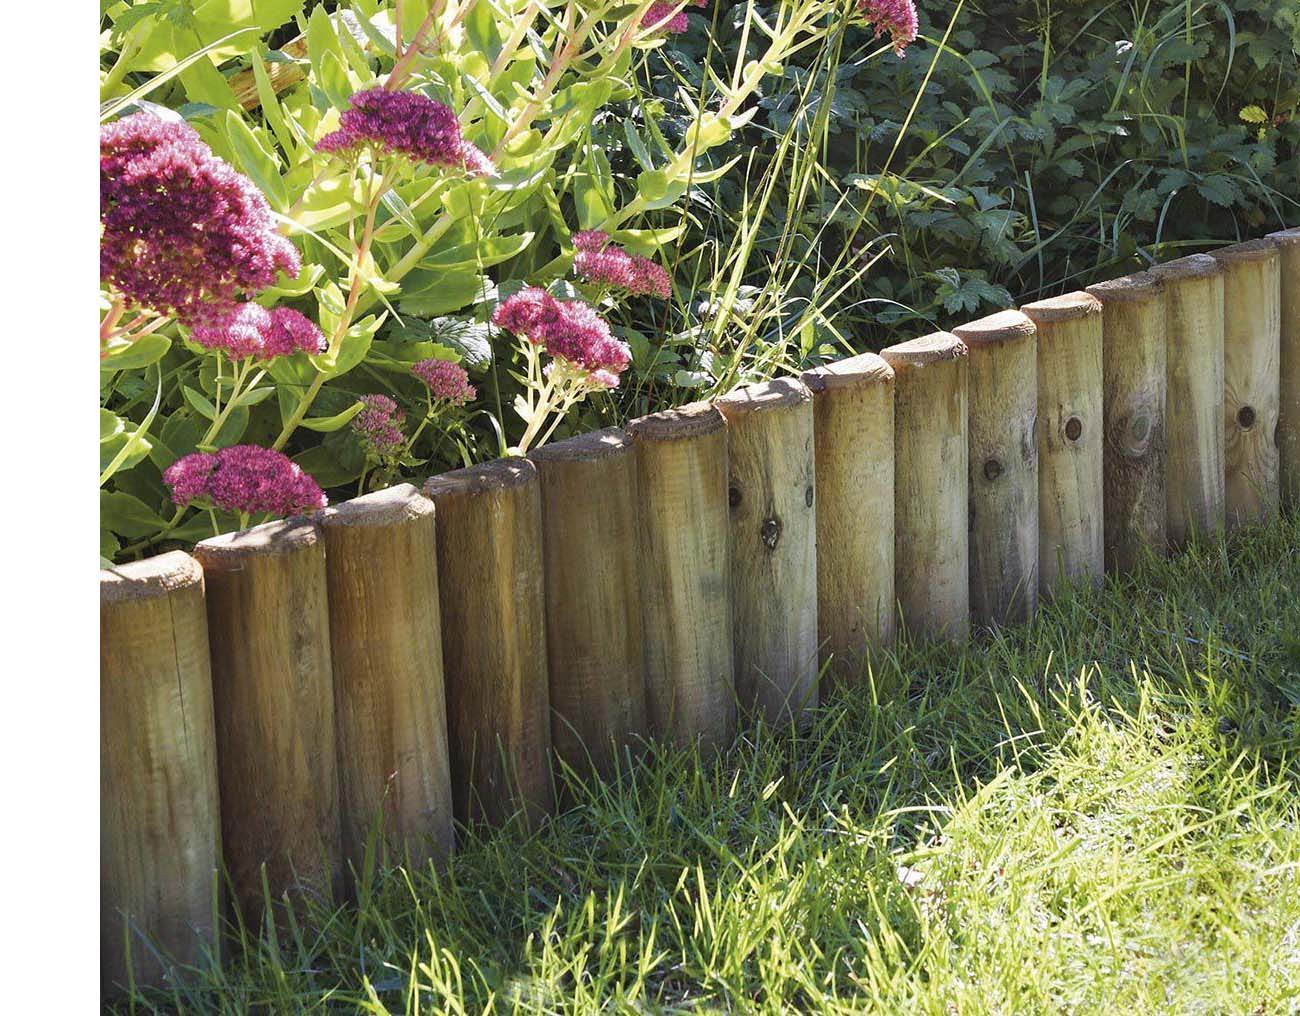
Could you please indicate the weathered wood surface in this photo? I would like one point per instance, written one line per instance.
(681, 457)
(1071, 498)
(1003, 466)
(773, 548)
(1193, 288)
(853, 423)
(159, 819)
(931, 457)
(1288, 423)
(1133, 403)
(594, 635)
(390, 716)
(1252, 335)
(273, 695)
(494, 639)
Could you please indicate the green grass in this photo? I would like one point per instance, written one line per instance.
(1094, 814)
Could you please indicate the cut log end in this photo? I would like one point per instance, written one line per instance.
(154, 576)
(1136, 288)
(694, 420)
(1068, 307)
(937, 347)
(389, 507)
(1285, 237)
(1194, 266)
(780, 393)
(283, 537)
(1004, 326)
(600, 444)
(500, 474)
(863, 371)
(1250, 250)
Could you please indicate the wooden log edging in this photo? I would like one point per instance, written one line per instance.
(853, 439)
(931, 456)
(1287, 439)
(1193, 288)
(386, 644)
(594, 642)
(1252, 325)
(1133, 406)
(493, 605)
(773, 548)
(1071, 543)
(273, 693)
(160, 824)
(681, 457)
(1003, 466)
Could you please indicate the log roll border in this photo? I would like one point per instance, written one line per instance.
(527, 613)
(1003, 466)
(853, 439)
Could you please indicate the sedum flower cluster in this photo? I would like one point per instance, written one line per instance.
(677, 21)
(250, 330)
(896, 17)
(446, 381)
(599, 262)
(569, 330)
(244, 478)
(182, 232)
(406, 124)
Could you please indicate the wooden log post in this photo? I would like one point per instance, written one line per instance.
(273, 693)
(1252, 336)
(594, 643)
(853, 425)
(1003, 467)
(773, 548)
(931, 537)
(681, 458)
(389, 709)
(1071, 499)
(1288, 422)
(1133, 406)
(160, 826)
(494, 640)
(1193, 288)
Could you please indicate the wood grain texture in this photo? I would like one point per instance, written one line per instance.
(1071, 488)
(1002, 467)
(1194, 468)
(491, 587)
(595, 648)
(273, 693)
(1252, 336)
(1288, 422)
(1133, 404)
(681, 457)
(160, 825)
(284, 74)
(389, 708)
(931, 455)
(773, 548)
(853, 425)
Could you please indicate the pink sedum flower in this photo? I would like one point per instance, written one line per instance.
(446, 380)
(244, 478)
(405, 123)
(677, 21)
(569, 330)
(180, 230)
(379, 425)
(600, 263)
(897, 17)
(250, 330)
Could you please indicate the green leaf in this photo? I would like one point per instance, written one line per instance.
(254, 395)
(483, 253)
(110, 425)
(327, 467)
(593, 190)
(200, 402)
(140, 353)
(472, 340)
(256, 161)
(327, 424)
(128, 516)
(454, 291)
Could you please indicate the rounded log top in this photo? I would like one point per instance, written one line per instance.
(284, 536)
(154, 576)
(1248, 250)
(1194, 266)
(1286, 237)
(1004, 326)
(853, 372)
(1069, 307)
(485, 478)
(1136, 287)
(693, 420)
(780, 393)
(599, 444)
(936, 347)
(391, 506)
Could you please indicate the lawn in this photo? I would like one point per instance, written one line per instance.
(1097, 813)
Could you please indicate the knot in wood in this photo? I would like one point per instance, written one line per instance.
(992, 469)
(808, 495)
(770, 532)
(1073, 429)
(1246, 417)
(733, 496)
